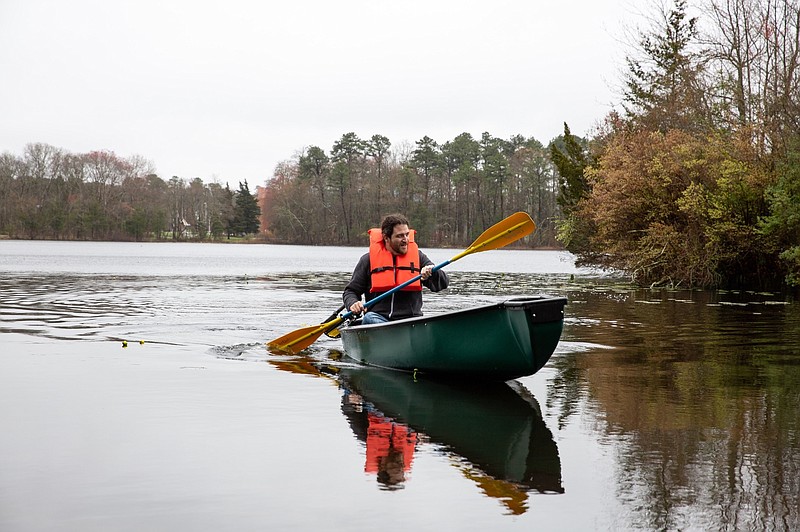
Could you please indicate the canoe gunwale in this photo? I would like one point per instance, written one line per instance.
(545, 312)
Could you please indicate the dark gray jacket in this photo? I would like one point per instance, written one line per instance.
(401, 304)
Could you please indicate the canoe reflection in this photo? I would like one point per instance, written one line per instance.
(495, 433)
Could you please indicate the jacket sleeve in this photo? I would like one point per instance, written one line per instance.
(436, 282)
(359, 283)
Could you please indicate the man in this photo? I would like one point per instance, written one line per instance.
(393, 258)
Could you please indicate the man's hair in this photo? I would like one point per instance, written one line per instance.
(389, 221)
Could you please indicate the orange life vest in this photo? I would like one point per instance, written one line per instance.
(388, 270)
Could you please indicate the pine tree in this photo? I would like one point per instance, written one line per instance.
(664, 88)
(246, 212)
(570, 159)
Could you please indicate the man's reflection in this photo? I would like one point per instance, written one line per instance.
(390, 445)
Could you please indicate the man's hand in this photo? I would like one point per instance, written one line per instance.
(426, 272)
(357, 308)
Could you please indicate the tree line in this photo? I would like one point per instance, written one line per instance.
(451, 192)
(49, 193)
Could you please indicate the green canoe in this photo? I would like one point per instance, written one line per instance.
(501, 341)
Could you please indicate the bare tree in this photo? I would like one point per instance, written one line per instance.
(755, 49)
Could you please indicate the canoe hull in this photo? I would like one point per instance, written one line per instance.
(501, 341)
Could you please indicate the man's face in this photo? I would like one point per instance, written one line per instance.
(398, 243)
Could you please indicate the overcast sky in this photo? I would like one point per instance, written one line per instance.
(225, 90)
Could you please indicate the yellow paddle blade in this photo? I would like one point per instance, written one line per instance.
(504, 232)
(297, 340)
(333, 333)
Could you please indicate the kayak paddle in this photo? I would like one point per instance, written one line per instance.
(500, 234)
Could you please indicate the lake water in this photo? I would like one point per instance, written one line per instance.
(136, 393)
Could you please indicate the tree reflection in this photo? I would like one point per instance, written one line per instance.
(700, 399)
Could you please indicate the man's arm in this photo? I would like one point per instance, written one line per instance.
(359, 283)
